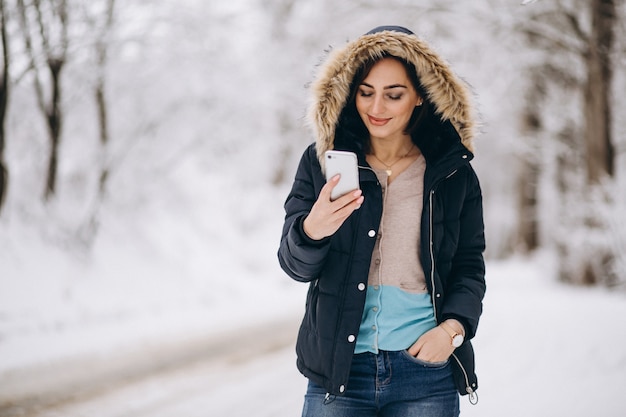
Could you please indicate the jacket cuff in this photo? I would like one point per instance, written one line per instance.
(305, 238)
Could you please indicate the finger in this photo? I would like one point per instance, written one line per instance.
(343, 212)
(358, 202)
(347, 199)
(415, 349)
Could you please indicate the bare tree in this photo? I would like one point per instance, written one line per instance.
(568, 35)
(280, 15)
(100, 22)
(580, 35)
(101, 49)
(45, 29)
(4, 99)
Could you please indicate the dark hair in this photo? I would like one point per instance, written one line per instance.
(351, 128)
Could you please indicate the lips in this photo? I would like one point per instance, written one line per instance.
(376, 121)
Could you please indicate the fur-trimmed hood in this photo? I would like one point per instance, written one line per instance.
(448, 94)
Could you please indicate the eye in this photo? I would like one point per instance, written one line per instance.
(363, 93)
(394, 96)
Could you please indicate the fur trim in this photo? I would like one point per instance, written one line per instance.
(449, 94)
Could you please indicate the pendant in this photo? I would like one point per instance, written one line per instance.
(388, 171)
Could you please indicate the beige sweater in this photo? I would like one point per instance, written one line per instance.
(395, 260)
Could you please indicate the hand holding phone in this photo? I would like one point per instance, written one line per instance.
(345, 164)
(326, 216)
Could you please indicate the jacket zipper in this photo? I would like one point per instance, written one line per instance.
(430, 239)
(432, 253)
(473, 397)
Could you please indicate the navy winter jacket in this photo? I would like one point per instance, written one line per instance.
(452, 230)
(337, 267)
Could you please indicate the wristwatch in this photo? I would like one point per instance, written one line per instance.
(457, 338)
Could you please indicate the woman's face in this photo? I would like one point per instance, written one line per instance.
(385, 100)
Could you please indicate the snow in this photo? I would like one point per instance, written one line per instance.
(145, 278)
(185, 252)
(543, 348)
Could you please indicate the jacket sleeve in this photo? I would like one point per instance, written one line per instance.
(466, 285)
(299, 256)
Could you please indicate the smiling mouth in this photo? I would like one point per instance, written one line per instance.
(376, 121)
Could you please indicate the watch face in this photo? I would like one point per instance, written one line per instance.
(457, 341)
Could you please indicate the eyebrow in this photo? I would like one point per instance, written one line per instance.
(387, 87)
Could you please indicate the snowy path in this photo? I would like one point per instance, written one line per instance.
(192, 379)
(265, 387)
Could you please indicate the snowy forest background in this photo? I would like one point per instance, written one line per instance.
(147, 146)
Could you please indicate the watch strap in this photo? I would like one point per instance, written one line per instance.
(449, 330)
(456, 339)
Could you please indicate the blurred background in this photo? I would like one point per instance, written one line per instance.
(146, 148)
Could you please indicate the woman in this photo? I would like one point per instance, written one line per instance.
(395, 268)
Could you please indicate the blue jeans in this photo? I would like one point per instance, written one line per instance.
(389, 384)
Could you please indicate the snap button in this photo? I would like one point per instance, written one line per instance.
(342, 388)
(351, 338)
(464, 156)
(371, 233)
(361, 286)
(438, 295)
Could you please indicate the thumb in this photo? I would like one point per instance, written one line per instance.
(330, 185)
(416, 347)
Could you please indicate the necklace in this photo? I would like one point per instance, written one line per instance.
(388, 166)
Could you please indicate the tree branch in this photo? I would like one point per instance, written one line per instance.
(28, 41)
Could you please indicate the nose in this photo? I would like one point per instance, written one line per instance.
(378, 106)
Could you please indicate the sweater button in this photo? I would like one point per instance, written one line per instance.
(361, 286)
(351, 338)
(371, 233)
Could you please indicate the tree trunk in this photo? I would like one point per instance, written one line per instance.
(54, 118)
(530, 170)
(47, 20)
(528, 226)
(100, 96)
(88, 231)
(590, 261)
(600, 151)
(4, 99)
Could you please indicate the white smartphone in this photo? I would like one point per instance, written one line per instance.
(345, 164)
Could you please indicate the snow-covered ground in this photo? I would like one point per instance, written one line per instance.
(543, 349)
(158, 283)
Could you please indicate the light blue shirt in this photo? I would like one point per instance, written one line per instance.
(393, 319)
